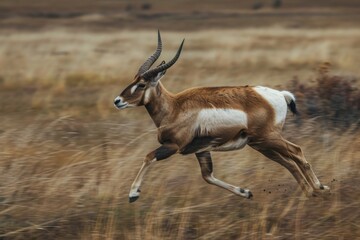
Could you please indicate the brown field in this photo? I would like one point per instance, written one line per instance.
(68, 157)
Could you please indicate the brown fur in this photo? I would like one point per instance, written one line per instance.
(168, 111)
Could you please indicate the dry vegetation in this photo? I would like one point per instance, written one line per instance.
(68, 157)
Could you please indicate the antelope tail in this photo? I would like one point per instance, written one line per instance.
(290, 100)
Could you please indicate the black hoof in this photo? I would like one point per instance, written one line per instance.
(250, 195)
(133, 199)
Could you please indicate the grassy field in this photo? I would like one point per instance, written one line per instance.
(68, 157)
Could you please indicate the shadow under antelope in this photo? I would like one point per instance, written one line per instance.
(204, 119)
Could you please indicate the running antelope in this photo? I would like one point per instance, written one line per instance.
(200, 120)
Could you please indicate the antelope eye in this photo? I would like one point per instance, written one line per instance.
(141, 86)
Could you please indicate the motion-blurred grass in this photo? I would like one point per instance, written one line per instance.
(68, 157)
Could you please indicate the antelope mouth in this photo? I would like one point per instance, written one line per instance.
(121, 105)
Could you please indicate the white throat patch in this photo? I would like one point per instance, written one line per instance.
(147, 95)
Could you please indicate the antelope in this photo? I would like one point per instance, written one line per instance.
(204, 119)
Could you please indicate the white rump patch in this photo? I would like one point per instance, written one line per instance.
(276, 100)
(211, 119)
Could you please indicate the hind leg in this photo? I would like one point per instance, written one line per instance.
(206, 166)
(273, 149)
(289, 165)
(297, 155)
(290, 156)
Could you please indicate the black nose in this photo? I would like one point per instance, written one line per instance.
(117, 101)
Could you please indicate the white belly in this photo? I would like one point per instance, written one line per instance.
(232, 145)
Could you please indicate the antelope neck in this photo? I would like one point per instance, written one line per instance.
(160, 104)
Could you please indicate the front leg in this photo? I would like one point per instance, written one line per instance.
(160, 153)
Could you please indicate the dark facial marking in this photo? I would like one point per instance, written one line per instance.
(141, 86)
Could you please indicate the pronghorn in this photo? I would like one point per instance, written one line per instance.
(204, 119)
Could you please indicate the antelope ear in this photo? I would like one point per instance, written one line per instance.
(160, 74)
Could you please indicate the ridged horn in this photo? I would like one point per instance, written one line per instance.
(153, 72)
(150, 61)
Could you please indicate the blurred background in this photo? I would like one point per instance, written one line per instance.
(68, 157)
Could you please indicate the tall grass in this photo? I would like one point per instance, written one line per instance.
(66, 180)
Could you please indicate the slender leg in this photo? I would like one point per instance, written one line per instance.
(289, 165)
(160, 153)
(206, 166)
(291, 157)
(297, 155)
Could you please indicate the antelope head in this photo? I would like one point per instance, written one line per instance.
(145, 81)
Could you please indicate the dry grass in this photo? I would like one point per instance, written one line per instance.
(248, 56)
(68, 157)
(67, 179)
